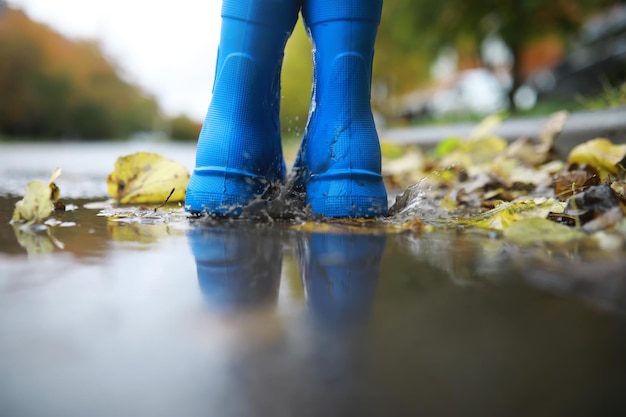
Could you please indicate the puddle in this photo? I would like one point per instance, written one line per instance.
(128, 312)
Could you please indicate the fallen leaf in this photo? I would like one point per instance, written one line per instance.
(569, 182)
(601, 154)
(390, 150)
(486, 127)
(474, 152)
(446, 146)
(145, 178)
(529, 232)
(552, 129)
(38, 201)
(506, 214)
(411, 161)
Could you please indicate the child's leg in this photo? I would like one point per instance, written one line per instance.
(340, 160)
(239, 154)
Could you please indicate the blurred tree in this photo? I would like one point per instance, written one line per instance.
(401, 59)
(183, 128)
(52, 87)
(464, 24)
(400, 64)
(296, 83)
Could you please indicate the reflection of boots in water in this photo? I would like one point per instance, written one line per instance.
(340, 275)
(239, 153)
(238, 267)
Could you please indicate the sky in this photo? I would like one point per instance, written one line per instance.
(167, 47)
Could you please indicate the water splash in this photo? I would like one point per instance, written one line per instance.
(416, 203)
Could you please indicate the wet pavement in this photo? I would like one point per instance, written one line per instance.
(138, 313)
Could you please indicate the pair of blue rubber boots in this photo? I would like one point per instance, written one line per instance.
(239, 158)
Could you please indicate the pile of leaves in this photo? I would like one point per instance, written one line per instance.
(520, 190)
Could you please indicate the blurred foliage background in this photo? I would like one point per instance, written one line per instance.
(52, 87)
(519, 42)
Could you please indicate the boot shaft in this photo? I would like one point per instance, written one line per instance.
(259, 30)
(324, 11)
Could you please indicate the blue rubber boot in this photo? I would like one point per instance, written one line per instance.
(239, 154)
(339, 165)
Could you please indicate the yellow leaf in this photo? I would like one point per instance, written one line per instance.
(410, 162)
(448, 203)
(552, 129)
(475, 152)
(600, 153)
(446, 146)
(54, 190)
(144, 178)
(506, 214)
(391, 150)
(37, 203)
(486, 127)
(528, 232)
(55, 174)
